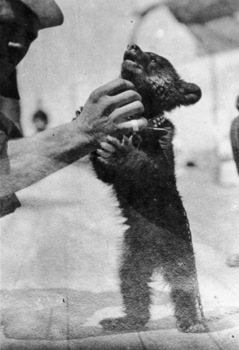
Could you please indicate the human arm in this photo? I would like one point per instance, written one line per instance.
(33, 158)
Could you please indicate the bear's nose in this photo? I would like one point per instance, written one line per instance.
(133, 47)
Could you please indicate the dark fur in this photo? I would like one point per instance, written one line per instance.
(159, 235)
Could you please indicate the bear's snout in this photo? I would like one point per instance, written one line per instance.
(134, 53)
(133, 47)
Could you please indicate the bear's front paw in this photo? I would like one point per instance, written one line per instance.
(112, 150)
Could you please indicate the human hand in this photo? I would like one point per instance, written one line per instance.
(108, 109)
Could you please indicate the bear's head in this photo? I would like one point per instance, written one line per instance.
(156, 80)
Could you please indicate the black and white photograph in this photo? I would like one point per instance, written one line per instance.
(119, 174)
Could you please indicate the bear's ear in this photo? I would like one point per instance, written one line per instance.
(190, 93)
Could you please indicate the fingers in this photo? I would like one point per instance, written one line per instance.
(124, 98)
(116, 99)
(109, 107)
(117, 86)
(128, 126)
(121, 114)
(113, 88)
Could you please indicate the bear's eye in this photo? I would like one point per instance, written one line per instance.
(153, 60)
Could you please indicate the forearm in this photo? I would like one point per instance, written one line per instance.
(33, 158)
(104, 113)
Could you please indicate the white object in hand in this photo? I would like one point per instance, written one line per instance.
(135, 125)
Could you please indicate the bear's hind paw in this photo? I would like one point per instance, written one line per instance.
(122, 324)
(199, 327)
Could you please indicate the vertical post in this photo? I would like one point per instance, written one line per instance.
(216, 156)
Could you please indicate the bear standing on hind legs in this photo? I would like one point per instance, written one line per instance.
(141, 170)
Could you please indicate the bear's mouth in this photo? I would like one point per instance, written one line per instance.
(130, 56)
(130, 60)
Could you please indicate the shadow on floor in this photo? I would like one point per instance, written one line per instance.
(62, 314)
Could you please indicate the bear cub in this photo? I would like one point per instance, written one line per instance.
(141, 170)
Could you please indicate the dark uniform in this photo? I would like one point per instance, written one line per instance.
(8, 131)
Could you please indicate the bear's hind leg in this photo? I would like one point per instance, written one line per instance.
(135, 274)
(180, 274)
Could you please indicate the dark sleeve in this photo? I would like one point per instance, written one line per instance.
(9, 87)
(8, 205)
(8, 130)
